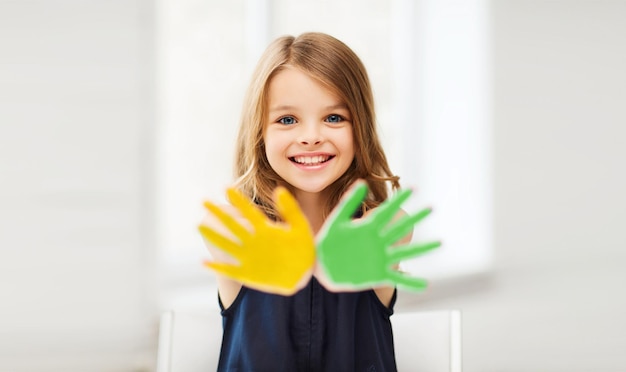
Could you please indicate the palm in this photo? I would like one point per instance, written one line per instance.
(273, 257)
(360, 253)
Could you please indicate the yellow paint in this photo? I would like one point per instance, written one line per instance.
(275, 257)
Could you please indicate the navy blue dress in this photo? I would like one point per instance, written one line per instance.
(313, 330)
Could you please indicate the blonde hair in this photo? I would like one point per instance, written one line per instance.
(337, 67)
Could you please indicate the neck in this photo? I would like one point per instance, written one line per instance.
(312, 207)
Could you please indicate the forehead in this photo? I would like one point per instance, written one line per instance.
(292, 86)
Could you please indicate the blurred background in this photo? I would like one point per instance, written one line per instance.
(117, 118)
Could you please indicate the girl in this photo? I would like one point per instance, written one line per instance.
(308, 125)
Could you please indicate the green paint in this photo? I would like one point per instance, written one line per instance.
(360, 253)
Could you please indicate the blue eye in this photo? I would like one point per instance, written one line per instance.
(334, 119)
(287, 120)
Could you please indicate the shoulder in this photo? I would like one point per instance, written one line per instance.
(407, 238)
(386, 293)
(399, 215)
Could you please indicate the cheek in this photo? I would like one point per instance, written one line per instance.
(268, 144)
(274, 145)
(349, 142)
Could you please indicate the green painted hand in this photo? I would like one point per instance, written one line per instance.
(360, 253)
(274, 257)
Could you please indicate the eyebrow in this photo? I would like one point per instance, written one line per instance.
(289, 107)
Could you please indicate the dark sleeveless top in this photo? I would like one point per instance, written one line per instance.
(313, 330)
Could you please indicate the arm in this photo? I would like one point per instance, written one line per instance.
(227, 288)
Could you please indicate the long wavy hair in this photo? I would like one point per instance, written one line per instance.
(337, 67)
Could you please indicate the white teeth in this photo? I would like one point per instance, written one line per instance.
(310, 160)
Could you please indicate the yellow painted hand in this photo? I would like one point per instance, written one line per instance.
(275, 257)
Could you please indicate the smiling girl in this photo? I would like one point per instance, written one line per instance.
(308, 125)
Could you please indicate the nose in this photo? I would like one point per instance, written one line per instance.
(311, 134)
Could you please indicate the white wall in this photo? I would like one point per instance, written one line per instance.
(76, 284)
(76, 288)
(555, 301)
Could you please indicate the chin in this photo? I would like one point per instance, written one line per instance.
(311, 188)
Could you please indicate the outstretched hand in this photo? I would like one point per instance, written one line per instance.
(358, 254)
(275, 257)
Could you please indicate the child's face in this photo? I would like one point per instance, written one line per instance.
(308, 135)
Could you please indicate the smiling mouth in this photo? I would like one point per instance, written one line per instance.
(311, 160)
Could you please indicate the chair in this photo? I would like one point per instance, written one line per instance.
(430, 341)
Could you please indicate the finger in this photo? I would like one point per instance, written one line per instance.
(389, 208)
(220, 241)
(228, 221)
(404, 226)
(346, 208)
(289, 209)
(400, 253)
(230, 271)
(247, 208)
(408, 282)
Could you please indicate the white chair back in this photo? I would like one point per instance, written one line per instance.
(424, 341)
(428, 340)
